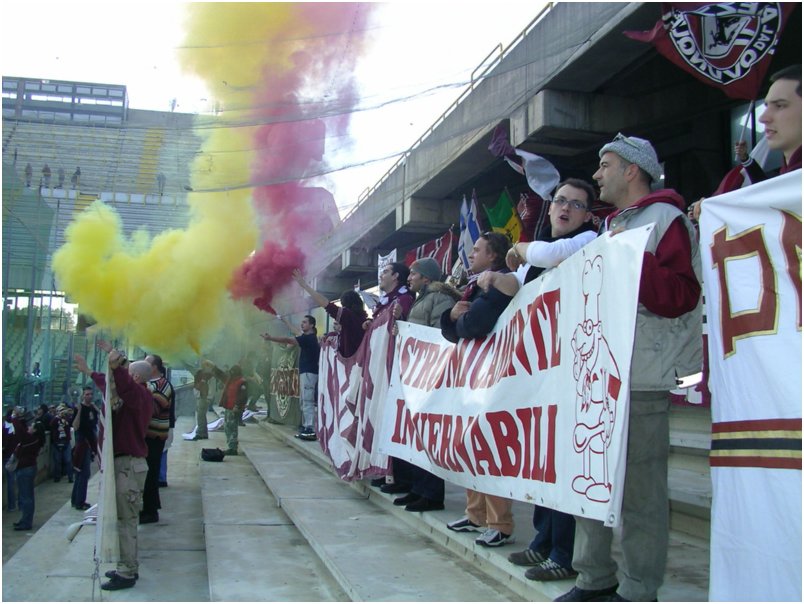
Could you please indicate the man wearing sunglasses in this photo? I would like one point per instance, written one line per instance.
(667, 344)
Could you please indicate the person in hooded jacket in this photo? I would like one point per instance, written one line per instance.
(667, 344)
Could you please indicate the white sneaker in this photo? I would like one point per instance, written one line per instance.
(464, 525)
(494, 538)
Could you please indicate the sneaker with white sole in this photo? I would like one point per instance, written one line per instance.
(464, 525)
(549, 571)
(494, 538)
(528, 557)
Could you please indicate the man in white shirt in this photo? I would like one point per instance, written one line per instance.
(569, 230)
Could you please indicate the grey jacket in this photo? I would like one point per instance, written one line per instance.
(431, 303)
(664, 348)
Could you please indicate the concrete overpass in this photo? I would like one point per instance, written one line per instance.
(569, 83)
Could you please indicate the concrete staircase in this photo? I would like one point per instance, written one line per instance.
(281, 468)
(275, 524)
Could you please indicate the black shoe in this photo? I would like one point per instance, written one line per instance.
(57, 480)
(19, 527)
(309, 436)
(83, 506)
(148, 518)
(196, 437)
(527, 557)
(70, 480)
(406, 499)
(395, 487)
(576, 594)
(163, 484)
(110, 574)
(378, 482)
(118, 582)
(423, 504)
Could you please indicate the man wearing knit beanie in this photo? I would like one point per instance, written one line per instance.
(427, 267)
(667, 345)
(637, 151)
(433, 298)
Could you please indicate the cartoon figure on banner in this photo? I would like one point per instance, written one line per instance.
(598, 386)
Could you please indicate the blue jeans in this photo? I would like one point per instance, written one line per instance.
(11, 488)
(61, 461)
(25, 484)
(555, 535)
(79, 496)
(163, 468)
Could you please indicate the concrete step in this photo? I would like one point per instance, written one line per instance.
(173, 563)
(372, 555)
(254, 551)
(686, 577)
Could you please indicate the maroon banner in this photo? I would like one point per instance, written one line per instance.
(351, 400)
(439, 249)
(727, 45)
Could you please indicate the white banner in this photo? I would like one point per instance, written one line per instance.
(537, 410)
(107, 543)
(383, 261)
(352, 393)
(751, 256)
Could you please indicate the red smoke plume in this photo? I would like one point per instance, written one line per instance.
(291, 144)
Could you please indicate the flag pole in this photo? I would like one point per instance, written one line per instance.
(745, 125)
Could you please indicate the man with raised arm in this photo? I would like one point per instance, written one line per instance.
(309, 349)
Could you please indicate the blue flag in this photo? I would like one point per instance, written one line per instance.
(470, 230)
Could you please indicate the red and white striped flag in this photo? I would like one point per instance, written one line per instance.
(440, 249)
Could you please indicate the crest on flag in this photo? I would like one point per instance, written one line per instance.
(439, 249)
(728, 45)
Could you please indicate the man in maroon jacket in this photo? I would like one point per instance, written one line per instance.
(130, 417)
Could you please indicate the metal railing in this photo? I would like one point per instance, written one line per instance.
(474, 80)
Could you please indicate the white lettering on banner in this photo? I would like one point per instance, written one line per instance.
(724, 41)
(536, 410)
(751, 257)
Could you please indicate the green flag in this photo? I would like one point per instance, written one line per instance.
(503, 218)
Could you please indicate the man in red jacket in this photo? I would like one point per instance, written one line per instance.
(233, 400)
(667, 344)
(29, 442)
(130, 417)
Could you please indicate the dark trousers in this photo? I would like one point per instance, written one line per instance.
(555, 535)
(426, 484)
(402, 471)
(79, 495)
(150, 493)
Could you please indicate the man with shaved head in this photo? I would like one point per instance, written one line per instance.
(131, 414)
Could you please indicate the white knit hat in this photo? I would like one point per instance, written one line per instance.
(635, 151)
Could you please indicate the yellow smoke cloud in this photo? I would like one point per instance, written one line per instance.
(164, 294)
(167, 294)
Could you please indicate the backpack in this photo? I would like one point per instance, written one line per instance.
(212, 455)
